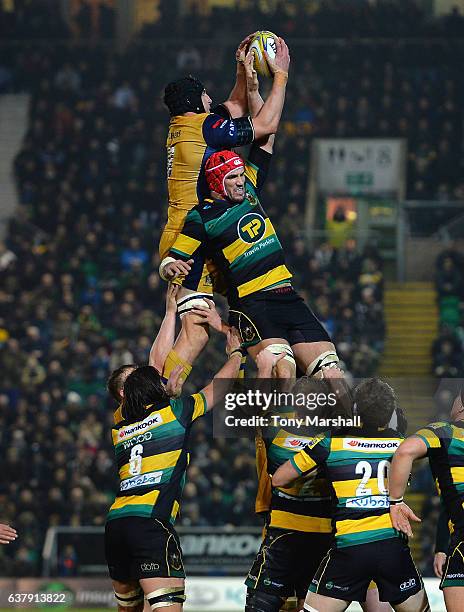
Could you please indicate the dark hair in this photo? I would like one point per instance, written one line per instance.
(143, 387)
(375, 402)
(184, 95)
(115, 382)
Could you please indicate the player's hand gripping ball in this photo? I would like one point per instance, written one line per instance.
(263, 41)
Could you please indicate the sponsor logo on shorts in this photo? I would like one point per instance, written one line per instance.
(297, 443)
(409, 584)
(369, 501)
(231, 128)
(149, 567)
(371, 445)
(450, 576)
(143, 480)
(269, 582)
(329, 585)
(151, 421)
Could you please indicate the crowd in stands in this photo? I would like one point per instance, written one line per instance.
(81, 293)
(448, 348)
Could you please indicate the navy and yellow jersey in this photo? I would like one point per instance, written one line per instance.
(357, 467)
(152, 459)
(445, 450)
(239, 238)
(190, 142)
(306, 505)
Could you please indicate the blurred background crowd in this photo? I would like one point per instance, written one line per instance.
(80, 292)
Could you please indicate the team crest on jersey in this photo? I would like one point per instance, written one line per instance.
(248, 333)
(251, 227)
(253, 200)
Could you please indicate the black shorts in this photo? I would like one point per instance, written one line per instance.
(138, 547)
(277, 313)
(283, 565)
(345, 573)
(453, 574)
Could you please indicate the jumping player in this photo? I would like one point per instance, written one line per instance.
(443, 444)
(366, 545)
(151, 445)
(194, 134)
(232, 229)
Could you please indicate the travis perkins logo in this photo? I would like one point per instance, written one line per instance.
(370, 445)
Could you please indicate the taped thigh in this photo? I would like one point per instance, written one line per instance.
(192, 300)
(166, 597)
(130, 600)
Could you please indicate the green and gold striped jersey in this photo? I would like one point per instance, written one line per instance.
(445, 450)
(306, 504)
(239, 238)
(152, 459)
(357, 467)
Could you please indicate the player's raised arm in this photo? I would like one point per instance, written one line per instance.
(267, 120)
(164, 340)
(237, 102)
(215, 391)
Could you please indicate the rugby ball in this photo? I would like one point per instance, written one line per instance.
(261, 42)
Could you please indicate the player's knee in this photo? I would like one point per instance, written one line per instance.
(132, 601)
(256, 601)
(166, 597)
(328, 359)
(187, 303)
(286, 367)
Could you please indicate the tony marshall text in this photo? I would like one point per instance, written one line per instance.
(278, 421)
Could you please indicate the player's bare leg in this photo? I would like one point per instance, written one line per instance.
(129, 596)
(416, 603)
(167, 591)
(373, 604)
(286, 367)
(320, 603)
(454, 597)
(190, 342)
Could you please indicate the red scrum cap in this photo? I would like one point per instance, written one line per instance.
(218, 166)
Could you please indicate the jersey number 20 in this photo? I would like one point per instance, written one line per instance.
(365, 468)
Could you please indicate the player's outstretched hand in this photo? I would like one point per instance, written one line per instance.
(439, 561)
(177, 268)
(267, 361)
(175, 382)
(171, 295)
(233, 341)
(7, 534)
(210, 316)
(250, 72)
(241, 49)
(400, 515)
(281, 62)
